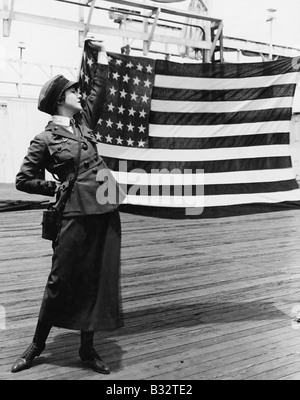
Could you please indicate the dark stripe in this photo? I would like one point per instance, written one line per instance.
(211, 190)
(242, 117)
(247, 164)
(210, 212)
(224, 95)
(257, 187)
(205, 70)
(219, 142)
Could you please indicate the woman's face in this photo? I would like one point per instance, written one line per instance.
(73, 100)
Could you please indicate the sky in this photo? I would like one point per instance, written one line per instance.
(242, 18)
(48, 45)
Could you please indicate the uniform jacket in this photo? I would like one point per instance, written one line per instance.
(56, 150)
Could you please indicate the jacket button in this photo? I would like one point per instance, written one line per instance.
(96, 158)
(84, 146)
(86, 164)
(59, 148)
(95, 171)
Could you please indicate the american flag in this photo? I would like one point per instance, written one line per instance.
(197, 140)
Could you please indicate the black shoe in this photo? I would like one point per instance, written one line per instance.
(92, 359)
(25, 361)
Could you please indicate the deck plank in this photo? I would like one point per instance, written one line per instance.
(203, 300)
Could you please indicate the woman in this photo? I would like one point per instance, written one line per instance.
(83, 291)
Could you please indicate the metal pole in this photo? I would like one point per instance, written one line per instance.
(21, 47)
(270, 19)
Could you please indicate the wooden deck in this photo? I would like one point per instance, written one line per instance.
(203, 300)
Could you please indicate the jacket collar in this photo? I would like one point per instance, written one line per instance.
(60, 130)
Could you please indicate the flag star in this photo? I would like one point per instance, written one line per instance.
(100, 121)
(132, 111)
(129, 65)
(134, 96)
(116, 76)
(82, 73)
(111, 107)
(90, 62)
(113, 91)
(108, 139)
(145, 98)
(109, 123)
(147, 83)
(119, 62)
(87, 79)
(121, 110)
(119, 140)
(99, 137)
(143, 114)
(120, 125)
(136, 81)
(109, 59)
(84, 96)
(123, 94)
(149, 69)
(142, 129)
(130, 142)
(141, 143)
(130, 127)
(126, 78)
(140, 67)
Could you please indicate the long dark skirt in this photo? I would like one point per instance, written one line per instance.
(83, 288)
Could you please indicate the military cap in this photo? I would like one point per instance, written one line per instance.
(51, 92)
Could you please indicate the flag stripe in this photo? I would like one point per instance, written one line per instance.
(224, 71)
(209, 167)
(209, 131)
(166, 118)
(213, 201)
(178, 177)
(210, 212)
(189, 83)
(223, 142)
(192, 155)
(210, 190)
(169, 106)
(175, 94)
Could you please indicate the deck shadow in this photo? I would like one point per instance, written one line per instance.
(158, 317)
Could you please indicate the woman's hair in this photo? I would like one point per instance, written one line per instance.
(60, 101)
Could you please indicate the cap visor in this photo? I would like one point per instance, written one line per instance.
(69, 85)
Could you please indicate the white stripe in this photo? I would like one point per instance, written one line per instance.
(214, 201)
(189, 83)
(203, 131)
(126, 153)
(273, 197)
(272, 175)
(172, 106)
(164, 179)
(200, 178)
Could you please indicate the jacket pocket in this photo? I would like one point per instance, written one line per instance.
(60, 152)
